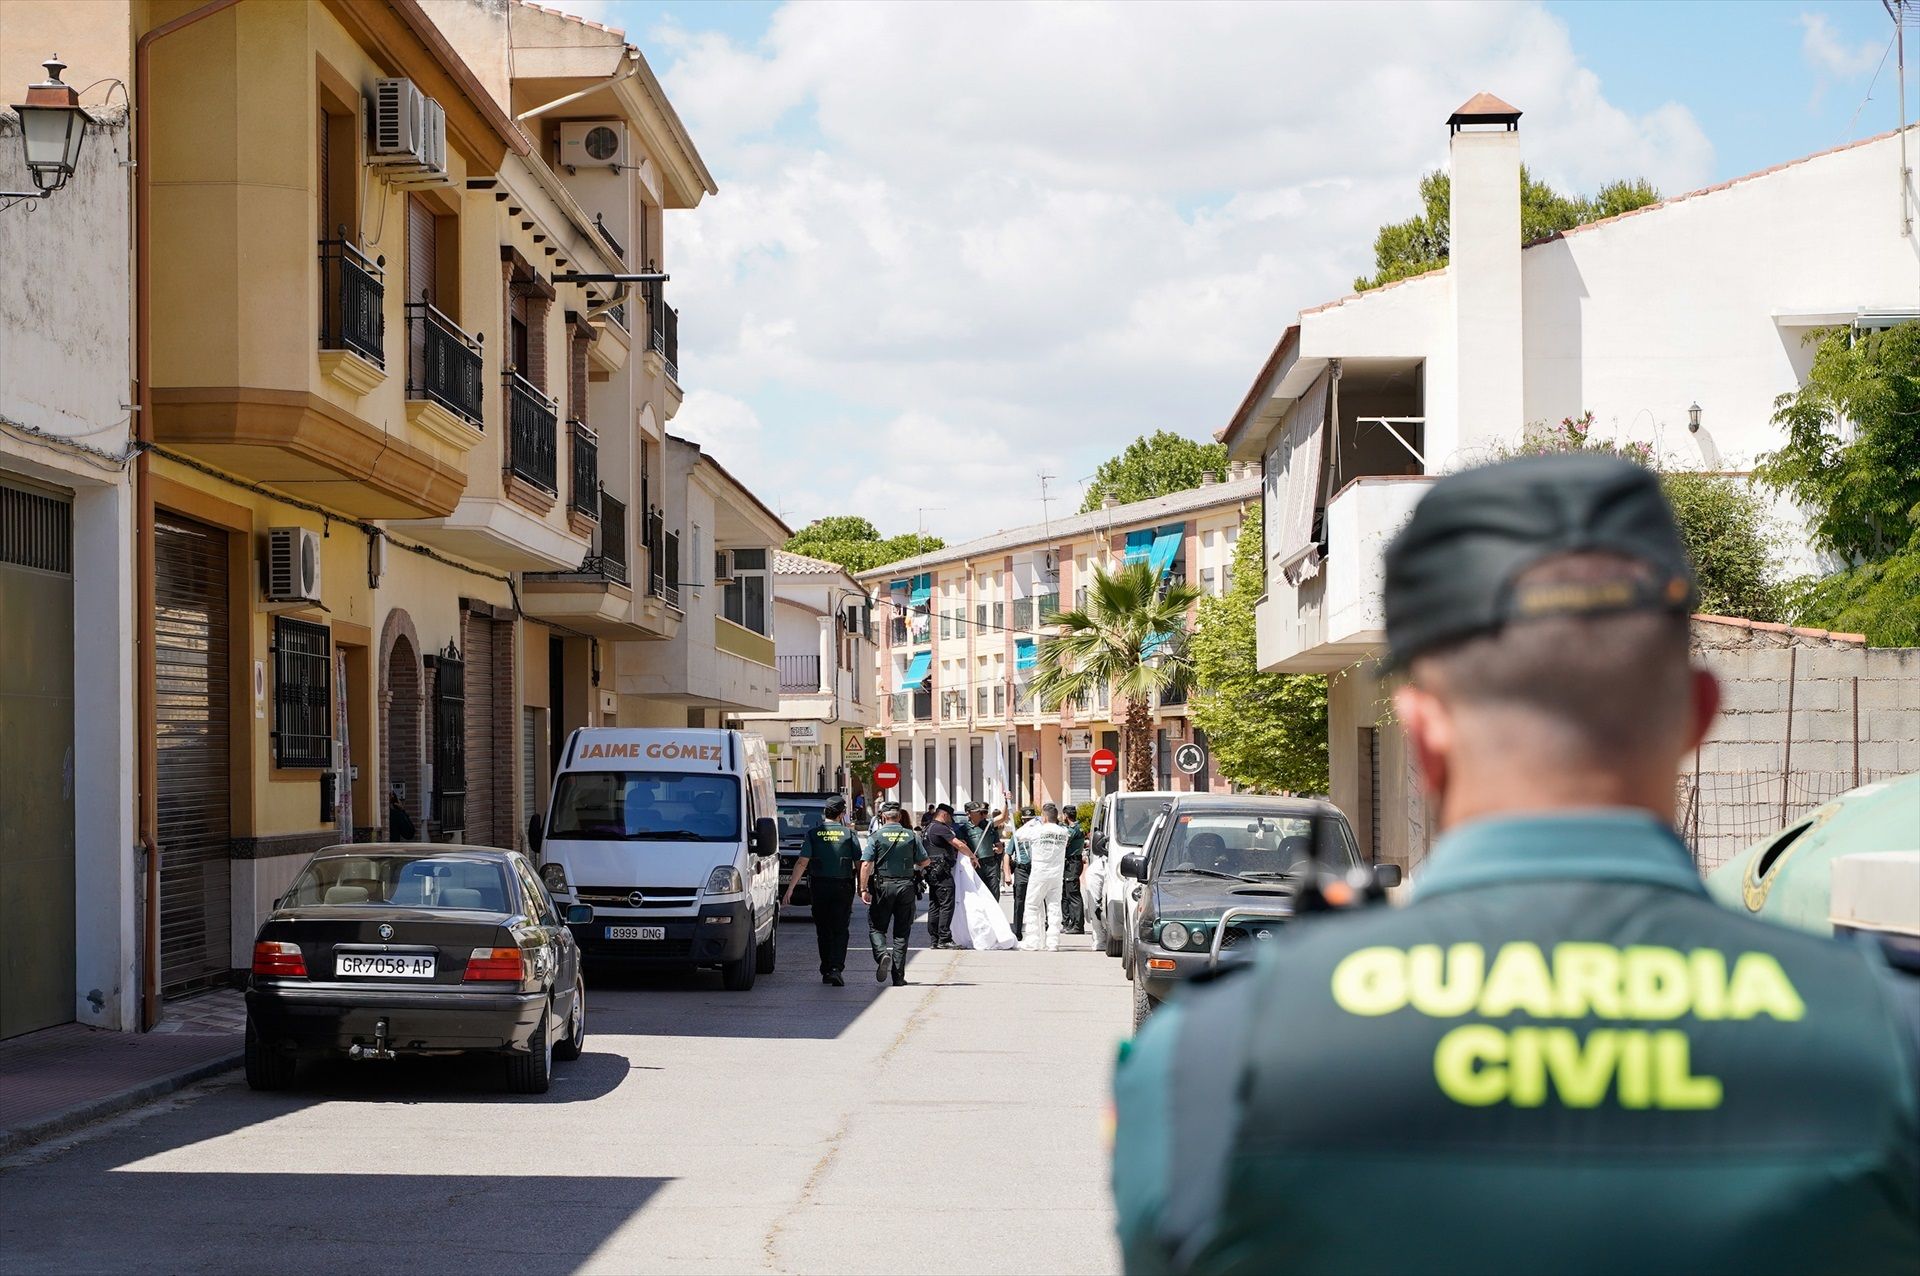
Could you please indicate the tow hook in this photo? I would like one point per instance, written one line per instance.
(378, 1050)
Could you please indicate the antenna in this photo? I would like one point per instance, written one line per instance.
(922, 524)
(1896, 9)
(1046, 514)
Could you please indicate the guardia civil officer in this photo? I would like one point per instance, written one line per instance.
(887, 866)
(1022, 862)
(984, 837)
(944, 846)
(1072, 918)
(1562, 1057)
(830, 858)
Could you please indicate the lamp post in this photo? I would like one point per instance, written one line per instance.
(52, 126)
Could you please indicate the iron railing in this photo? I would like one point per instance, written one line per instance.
(912, 706)
(619, 308)
(443, 363)
(584, 495)
(897, 631)
(664, 328)
(353, 294)
(611, 561)
(798, 673)
(532, 434)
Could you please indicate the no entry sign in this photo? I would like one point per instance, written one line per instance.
(1104, 763)
(886, 775)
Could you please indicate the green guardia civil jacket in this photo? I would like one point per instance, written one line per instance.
(831, 850)
(894, 852)
(1562, 1058)
(983, 838)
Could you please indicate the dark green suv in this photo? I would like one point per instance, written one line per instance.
(1219, 874)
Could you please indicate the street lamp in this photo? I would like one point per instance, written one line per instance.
(52, 127)
(1693, 419)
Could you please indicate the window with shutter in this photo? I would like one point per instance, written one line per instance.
(302, 704)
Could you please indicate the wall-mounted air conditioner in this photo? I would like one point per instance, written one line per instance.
(1050, 562)
(409, 142)
(723, 567)
(590, 143)
(293, 565)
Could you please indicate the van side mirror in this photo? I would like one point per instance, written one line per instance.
(766, 836)
(536, 831)
(1133, 866)
(1099, 842)
(579, 914)
(1385, 875)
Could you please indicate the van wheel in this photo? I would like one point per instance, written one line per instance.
(532, 1072)
(764, 955)
(737, 976)
(267, 1068)
(1143, 1006)
(1113, 944)
(575, 1041)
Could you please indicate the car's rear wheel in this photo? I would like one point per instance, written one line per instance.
(532, 1072)
(267, 1068)
(1114, 939)
(737, 976)
(575, 1041)
(1143, 1005)
(766, 954)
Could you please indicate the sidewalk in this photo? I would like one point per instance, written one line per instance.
(61, 1078)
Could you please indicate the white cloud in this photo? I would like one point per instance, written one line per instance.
(1828, 54)
(1017, 236)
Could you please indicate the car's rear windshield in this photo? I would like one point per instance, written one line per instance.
(1133, 819)
(404, 881)
(797, 819)
(646, 806)
(1257, 844)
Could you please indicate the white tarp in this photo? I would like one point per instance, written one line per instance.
(977, 919)
(1303, 435)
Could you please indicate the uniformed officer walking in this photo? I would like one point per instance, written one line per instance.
(887, 866)
(1562, 1057)
(1021, 860)
(944, 845)
(830, 858)
(984, 837)
(1072, 917)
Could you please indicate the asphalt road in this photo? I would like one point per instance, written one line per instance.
(956, 1125)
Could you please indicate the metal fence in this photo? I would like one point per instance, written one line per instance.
(1721, 814)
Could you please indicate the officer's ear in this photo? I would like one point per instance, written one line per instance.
(1706, 706)
(1429, 728)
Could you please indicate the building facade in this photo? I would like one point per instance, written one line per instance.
(960, 630)
(1676, 325)
(823, 641)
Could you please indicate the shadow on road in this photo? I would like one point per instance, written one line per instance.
(465, 1079)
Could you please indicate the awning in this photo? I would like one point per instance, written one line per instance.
(1026, 653)
(1139, 546)
(916, 671)
(1166, 548)
(1298, 481)
(899, 585)
(922, 590)
(1155, 644)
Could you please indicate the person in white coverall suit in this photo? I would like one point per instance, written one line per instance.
(1045, 841)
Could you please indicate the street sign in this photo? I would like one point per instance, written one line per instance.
(853, 742)
(1104, 763)
(886, 775)
(1190, 758)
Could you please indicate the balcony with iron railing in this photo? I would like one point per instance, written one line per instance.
(912, 706)
(443, 364)
(610, 560)
(353, 294)
(663, 329)
(798, 674)
(583, 494)
(532, 434)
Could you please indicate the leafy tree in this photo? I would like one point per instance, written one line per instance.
(1420, 244)
(856, 544)
(1131, 638)
(1154, 465)
(1852, 462)
(1267, 731)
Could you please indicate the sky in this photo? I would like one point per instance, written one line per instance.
(957, 247)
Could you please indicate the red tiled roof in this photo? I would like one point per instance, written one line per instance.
(1768, 627)
(571, 17)
(1485, 104)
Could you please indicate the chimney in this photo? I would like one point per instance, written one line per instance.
(1484, 272)
(1208, 478)
(1109, 502)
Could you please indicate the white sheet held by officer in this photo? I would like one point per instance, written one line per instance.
(1045, 842)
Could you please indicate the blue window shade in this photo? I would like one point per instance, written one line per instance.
(1139, 546)
(922, 589)
(1026, 653)
(898, 586)
(1166, 548)
(1154, 645)
(916, 671)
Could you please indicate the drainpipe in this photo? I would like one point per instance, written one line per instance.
(145, 694)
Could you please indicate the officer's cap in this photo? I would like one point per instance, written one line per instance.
(834, 807)
(1450, 572)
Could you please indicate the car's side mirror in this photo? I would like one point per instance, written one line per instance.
(766, 836)
(536, 832)
(579, 914)
(1133, 866)
(1099, 843)
(1386, 875)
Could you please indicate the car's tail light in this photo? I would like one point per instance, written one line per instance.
(274, 957)
(496, 964)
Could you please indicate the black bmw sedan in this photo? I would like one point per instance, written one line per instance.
(377, 951)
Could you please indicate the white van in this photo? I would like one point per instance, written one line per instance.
(1121, 823)
(672, 837)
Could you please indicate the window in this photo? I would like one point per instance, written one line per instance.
(946, 624)
(980, 701)
(999, 615)
(1022, 613)
(410, 881)
(644, 806)
(1206, 579)
(745, 601)
(302, 694)
(1226, 579)
(999, 698)
(981, 615)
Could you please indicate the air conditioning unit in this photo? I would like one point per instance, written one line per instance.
(723, 567)
(592, 143)
(1050, 562)
(409, 135)
(293, 565)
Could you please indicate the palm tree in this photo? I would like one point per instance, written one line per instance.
(1130, 638)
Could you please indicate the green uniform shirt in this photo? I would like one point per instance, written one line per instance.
(1076, 840)
(1562, 1057)
(894, 852)
(831, 850)
(983, 838)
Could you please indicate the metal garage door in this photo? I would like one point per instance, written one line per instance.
(36, 760)
(481, 777)
(190, 648)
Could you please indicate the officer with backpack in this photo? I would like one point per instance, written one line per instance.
(893, 855)
(1562, 1056)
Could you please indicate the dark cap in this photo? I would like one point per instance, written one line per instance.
(943, 807)
(1450, 572)
(835, 807)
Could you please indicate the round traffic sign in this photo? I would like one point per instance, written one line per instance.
(1190, 758)
(1104, 763)
(886, 775)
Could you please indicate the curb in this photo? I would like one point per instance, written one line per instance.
(25, 1136)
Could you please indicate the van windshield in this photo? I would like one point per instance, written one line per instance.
(646, 806)
(1133, 819)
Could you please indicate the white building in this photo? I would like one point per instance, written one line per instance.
(823, 639)
(68, 876)
(1704, 299)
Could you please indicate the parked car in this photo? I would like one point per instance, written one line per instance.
(800, 814)
(671, 836)
(378, 951)
(1219, 875)
(1121, 823)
